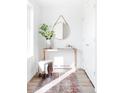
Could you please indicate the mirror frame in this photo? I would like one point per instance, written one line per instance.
(61, 16)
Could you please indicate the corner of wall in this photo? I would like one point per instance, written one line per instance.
(32, 68)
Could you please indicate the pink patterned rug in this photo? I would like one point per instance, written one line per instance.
(77, 82)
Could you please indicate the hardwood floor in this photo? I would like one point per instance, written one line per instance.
(32, 86)
(77, 82)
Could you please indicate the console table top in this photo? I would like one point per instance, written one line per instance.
(56, 49)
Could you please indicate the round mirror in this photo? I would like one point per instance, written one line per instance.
(61, 28)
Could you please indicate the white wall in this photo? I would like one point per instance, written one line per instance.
(89, 39)
(50, 10)
(62, 58)
(32, 66)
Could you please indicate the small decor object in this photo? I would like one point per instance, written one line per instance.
(69, 46)
(47, 33)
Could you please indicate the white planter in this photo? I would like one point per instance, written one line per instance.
(48, 44)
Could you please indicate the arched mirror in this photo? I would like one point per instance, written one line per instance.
(61, 28)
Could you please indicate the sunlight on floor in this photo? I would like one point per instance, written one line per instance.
(58, 61)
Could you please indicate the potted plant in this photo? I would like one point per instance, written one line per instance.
(47, 33)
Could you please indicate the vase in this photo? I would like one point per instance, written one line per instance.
(48, 44)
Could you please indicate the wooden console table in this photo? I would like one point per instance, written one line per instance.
(61, 49)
